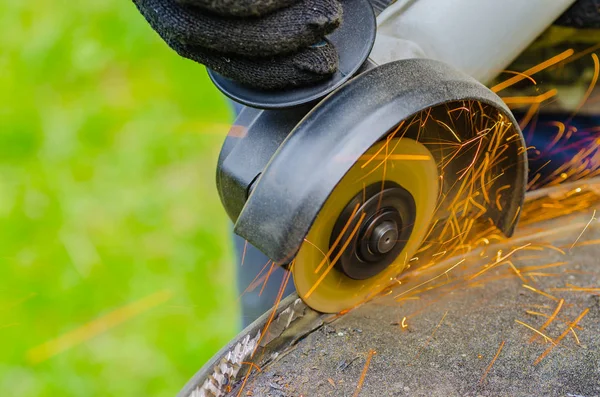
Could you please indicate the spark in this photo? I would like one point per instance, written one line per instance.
(584, 229)
(274, 266)
(252, 365)
(430, 280)
(546, 338)
(96, 327)
(489, 367)
(403, 324)
(529, 287)
(522, 75)
(460, 108)
(475, 157)
(575, 336)
(590, 88)
(396, 157)
(533, 313)
(530, 100)
(264, 332)
(562, 336)
(371, 158)
(550, 319)
(363, 375)
(529, 72)
(244, 252)
(337, 240)
(432, 335)
(499, 260)
(449, 129)
(517, 272)
(572, 288)
(337, 257)
(589, 242)
(257, 279)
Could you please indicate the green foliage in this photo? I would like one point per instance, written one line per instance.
(108, 145)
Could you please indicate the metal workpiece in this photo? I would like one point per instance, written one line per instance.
(516, 317)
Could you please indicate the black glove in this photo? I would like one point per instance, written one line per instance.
(265, 44)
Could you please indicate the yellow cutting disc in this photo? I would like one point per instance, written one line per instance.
(400, 160)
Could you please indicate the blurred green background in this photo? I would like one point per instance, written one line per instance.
(111, 231)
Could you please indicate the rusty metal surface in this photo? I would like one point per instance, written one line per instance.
(462, 333)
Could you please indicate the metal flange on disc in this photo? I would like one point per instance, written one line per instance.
(349, 196)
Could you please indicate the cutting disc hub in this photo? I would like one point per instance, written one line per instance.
(386, 212)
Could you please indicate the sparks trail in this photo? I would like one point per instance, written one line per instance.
(337, 257)
(593, 83)
(500, 260)
(584, 229)
(573, 288)
(431, 336)
(489, 367)
(265, 330)
(96, 327)
(537, 291)
(546, 338)
(529, 72)
(363, 375)
(562, 336)
(528, 100)
(550, 319)
(258, 279)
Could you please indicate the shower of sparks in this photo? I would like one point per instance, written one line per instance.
(96, 327)
(561, 337)
(550, 319)
(475, 184)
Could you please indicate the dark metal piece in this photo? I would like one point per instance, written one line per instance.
(384, 237)
(473, 330)
(353, 41)
(330, 139)
(253, 140)
(388, 215)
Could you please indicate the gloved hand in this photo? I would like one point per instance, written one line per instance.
(265, 44)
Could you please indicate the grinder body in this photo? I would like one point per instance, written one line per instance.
(293, 163)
